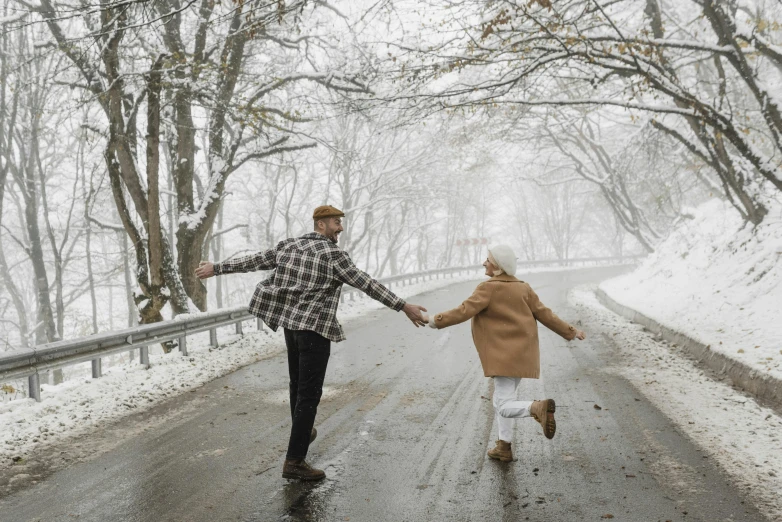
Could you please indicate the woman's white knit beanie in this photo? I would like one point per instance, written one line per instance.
(505, 257)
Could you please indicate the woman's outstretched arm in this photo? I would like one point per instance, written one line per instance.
(477, 302)
(550, 320)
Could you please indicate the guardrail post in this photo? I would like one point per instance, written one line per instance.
(34, 387)
(96, 368)
(259, 323)
(239, 330)
(143, 355)
(183, 344)
(213, 337)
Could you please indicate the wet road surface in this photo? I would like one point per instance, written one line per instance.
(404, 427)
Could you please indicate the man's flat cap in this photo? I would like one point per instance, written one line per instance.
(327, 211)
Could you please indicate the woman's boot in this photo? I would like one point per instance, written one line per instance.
(501, 452)
(543, 412)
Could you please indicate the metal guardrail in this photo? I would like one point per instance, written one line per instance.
(65, 353)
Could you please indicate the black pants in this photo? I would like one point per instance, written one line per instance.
(308, 356)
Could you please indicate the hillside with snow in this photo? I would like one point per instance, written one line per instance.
(717, 280)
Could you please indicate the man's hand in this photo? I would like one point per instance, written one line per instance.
(580, 335)
(205, 270)
(413, 312)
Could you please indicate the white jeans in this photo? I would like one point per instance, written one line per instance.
(506, 407)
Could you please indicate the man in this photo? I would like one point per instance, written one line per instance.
(302, 296)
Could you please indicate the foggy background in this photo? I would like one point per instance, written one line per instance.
(565, 129)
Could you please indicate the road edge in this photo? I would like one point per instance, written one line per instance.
(764, 387)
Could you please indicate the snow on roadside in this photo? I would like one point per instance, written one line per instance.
(742, 436)
(718, 281)
(82, 404)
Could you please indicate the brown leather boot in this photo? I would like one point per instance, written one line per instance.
(501, 451)
(313, 435)
(300, 470)
(543, 412)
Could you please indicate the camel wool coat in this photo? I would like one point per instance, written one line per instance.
(504, 313)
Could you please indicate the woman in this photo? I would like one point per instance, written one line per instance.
(504, 313)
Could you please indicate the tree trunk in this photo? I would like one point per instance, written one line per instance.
(8, 114)
(88, 194)
(217, 254)
(157, 298)
(132, 316)
(46, 329)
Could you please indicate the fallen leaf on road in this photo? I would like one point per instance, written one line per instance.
(607, 515)
(597, 407)
(629, 476)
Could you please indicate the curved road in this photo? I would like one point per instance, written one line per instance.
(403, 430)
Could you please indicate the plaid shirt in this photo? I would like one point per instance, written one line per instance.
(303, 292)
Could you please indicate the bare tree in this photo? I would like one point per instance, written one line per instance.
(199, 69)
(708, 82)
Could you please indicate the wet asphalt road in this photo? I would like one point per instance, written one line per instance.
(403, 430)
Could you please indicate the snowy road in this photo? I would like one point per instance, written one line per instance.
(403, 431)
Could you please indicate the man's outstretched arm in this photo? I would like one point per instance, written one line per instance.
(347, 272)
(266, 260)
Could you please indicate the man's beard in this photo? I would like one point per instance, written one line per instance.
(333, 237)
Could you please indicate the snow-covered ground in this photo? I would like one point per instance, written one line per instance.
(742, 436)
(718, 282)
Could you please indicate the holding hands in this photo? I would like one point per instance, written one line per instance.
(430, 321)
(413, 313)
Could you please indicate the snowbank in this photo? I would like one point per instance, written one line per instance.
(730, 427)
(717, 281)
